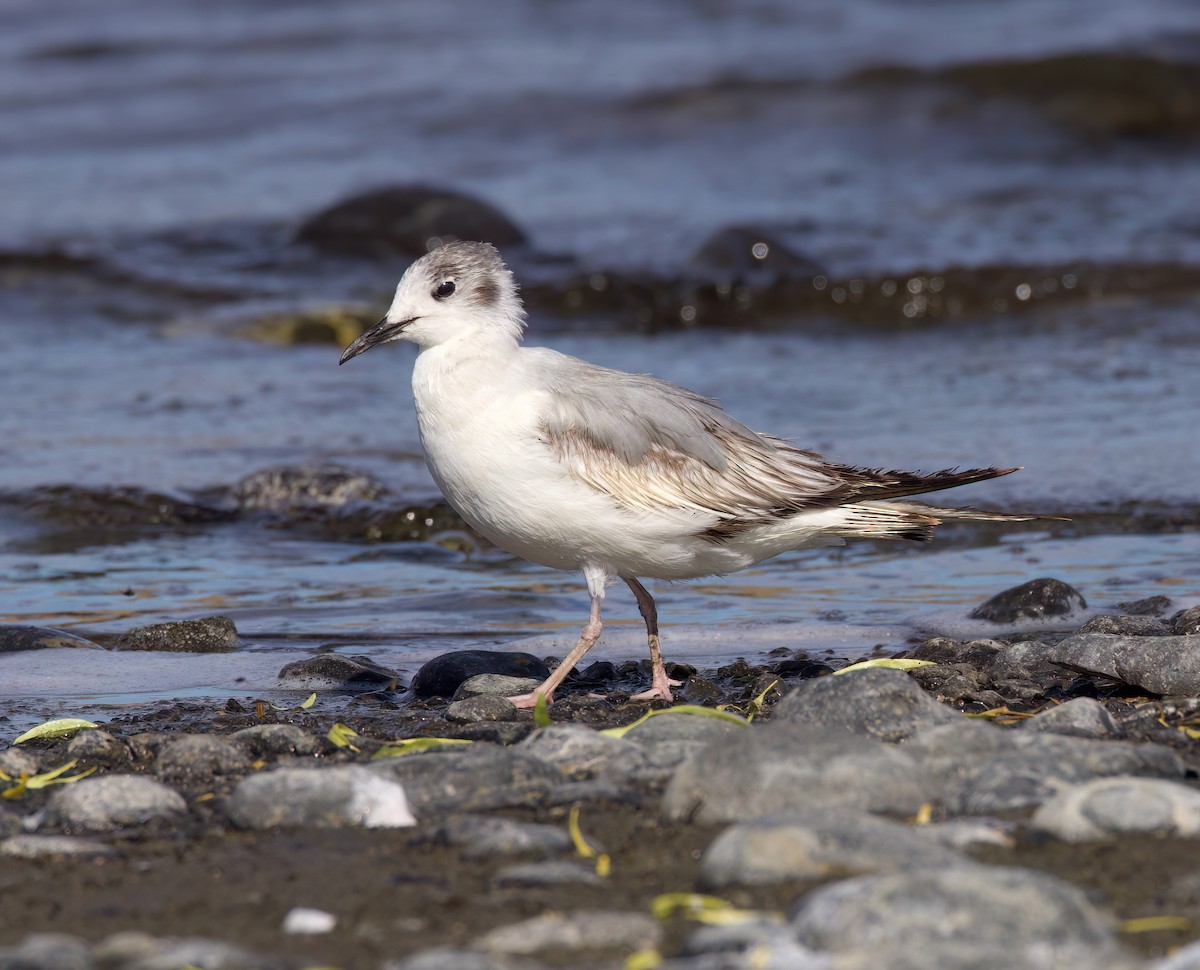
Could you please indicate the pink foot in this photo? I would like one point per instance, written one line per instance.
(659, 691)
(527, 702)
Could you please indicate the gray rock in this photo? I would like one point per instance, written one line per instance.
(335, 671)
(15, 638)
(1187, 623)
(192, 758)
(338, 797)
(817, 845)
(267, 739)
(884, 704)
(1081, 717)
(982, 769)
(499, 684)
(1037, 599)
(139, 951)
(1160, 665)
(16, 762)
(107, 802)
(48, 846)
(580, 752)
(10, 823)
(481, 778)
(209, 634)
(1130, 626)
(969, 833)
(587, 930)
(99, 748)
(687, 728)
(984, 906)
(1185, 958)
(446, 958)
(551, 873)
(482, 707)
(493, 835)
(1150, 606)
(1107, 807)
(966, 955)
(303, 488)
(750, 945)
(48, 951)
(781, 767)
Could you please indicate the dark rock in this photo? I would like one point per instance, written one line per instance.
(881, 703)
(14, 638)
(1150, 606)
(320, 486)
(112, 801)
(493, 732)
(1108, 807)
(99, 748)
(1037, 599)
(744, 254)
(1187, 623)
(334, 671)
(209, 634)
(1160, 665)
(441, 676)
(482, 707)
(197, 758)
(119, 509)
(1130, 626)
(480, 778)
(338, 797)
(408, 220)
(782, 767)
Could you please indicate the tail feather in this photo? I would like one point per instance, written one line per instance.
(873, 484)
(916, 521)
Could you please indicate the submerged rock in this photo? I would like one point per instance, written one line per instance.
(746, 254)
(209, 634)
(331, 671)
(407, 220)
(15, 638)
(442, 676)
(305, 487)
(1035, 600)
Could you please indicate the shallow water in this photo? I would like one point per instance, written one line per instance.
(164, 156)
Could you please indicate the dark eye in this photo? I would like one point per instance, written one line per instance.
(443, 290)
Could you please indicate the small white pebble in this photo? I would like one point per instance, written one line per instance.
(309, 922)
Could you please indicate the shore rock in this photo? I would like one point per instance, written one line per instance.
(482, 778)
(1081, 717)
(1035, 600)
(443, 675)
(1158, 664)
(580, 752)
(482, 707)
(98, 747)
(1187, 623)
(1129, 626)
(138, 951)
(484, 836)
(264, 739)
(337, 797)
(113, 801)
(746, 254)
(306, 487)
(192, 758)
(335, 671)
(209, 634)
(589, 930)
(1108, 807)
(15, 638)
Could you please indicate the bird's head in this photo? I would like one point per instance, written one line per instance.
(461, 290)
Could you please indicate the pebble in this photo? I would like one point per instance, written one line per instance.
(197, 758)
(880, 703)
(1160, 665)
(15, 638)
(482, 707)
(441, 676)
(335, 671)
(589, 930)
(780, 766)
(99, 804)
(580, 752)
(492, 835)
(1037, 599)
(46, 846)
(267, 739)
(551, 873)
(817, 845)
(1081, 717)
(308, 922)
(336, 797)
(1107, 807)
(209, 634)
(16, 762)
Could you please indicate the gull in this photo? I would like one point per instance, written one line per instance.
(612, 474)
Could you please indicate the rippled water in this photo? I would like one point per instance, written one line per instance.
(163, 156)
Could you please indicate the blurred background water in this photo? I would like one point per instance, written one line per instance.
(983, 225)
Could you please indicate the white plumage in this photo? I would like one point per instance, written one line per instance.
(613, 474)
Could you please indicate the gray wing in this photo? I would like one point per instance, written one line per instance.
(654, 446)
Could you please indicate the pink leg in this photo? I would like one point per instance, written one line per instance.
(660, 683)
(587, 639)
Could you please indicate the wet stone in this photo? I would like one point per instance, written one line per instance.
(1150, 606)
(1160, 665)
(1035, 600)
(15, 638)
(880, 703)
(210, 634)
(99, 804)
(580, 752)
(1110, 807)
(333, 671)
(98, 747)
(337, 797)
(1081, 717)
(268, 739)
(1132, 626)
(442, 676)
(483, 707)
(48, 951)
(589, 930)
(49, 846)
(497, 685)
(781, 767)
(319, 486)
(817, 845)
(196, 758)
(406, 220)
(554, 873)
(483, 836)
(748, 255)
(1187, 623)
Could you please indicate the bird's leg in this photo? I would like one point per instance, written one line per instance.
(660, 683)
(587, 639)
